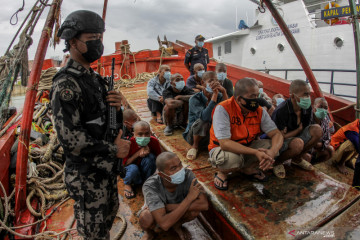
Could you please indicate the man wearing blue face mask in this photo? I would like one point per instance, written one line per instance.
(155, 88)
(195, 81)
(221, 72)
(293, 119)
(140, 162)
(176, 108)
(201, 105)
(173, 196)
(197, 54)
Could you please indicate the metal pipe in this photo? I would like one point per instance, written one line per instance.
(24, 137)
(103, 17)
(356, 30)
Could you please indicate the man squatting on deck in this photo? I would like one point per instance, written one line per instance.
(172, 196)
(78, 100)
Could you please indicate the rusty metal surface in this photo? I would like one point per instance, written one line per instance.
(304, 200)
(345, 226)
(329, 169)
(270, 210)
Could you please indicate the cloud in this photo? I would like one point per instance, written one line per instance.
(141, 21)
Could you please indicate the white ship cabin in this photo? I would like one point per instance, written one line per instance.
(328, 45)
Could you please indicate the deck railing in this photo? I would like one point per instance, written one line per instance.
(331, 82)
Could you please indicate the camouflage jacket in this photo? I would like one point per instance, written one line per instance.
(79, 107)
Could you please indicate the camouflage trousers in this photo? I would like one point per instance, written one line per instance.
(96, 201)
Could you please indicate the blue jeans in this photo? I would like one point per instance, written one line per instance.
(136, 175)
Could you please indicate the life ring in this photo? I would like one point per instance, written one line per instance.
(334, 20)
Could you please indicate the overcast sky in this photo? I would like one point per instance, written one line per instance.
(139, 21)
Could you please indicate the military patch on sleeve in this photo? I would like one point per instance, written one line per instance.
(66, 94)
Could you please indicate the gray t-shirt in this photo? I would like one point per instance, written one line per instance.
(156, 196)
(222, 126)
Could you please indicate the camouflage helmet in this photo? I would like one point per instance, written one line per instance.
(81, 21)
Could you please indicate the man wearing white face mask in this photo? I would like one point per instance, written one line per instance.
(197, 54)
(224, 81)
(155, 88)
(176, 98)
(172, 197)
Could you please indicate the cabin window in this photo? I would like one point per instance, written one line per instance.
(219, 50)
(253, 51)
(338, 42)
(227, 47)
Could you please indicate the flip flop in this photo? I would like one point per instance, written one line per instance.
(279, 169)
(222, 181)
(252, 177)
(191, 154)
(159, 121)
(130, 192)
(304, 165)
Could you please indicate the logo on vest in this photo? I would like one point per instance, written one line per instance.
(66, 95)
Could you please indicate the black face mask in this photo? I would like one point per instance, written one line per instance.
(95, 49)
(251, 104)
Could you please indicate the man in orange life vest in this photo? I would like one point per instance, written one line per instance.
(346, 144)
(236, 123)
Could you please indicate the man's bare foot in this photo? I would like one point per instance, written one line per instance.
(342, 169)
(350, 164)
(306, 156)
(148, 235)
(183, 233)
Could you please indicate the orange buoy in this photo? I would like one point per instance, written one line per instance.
(334, 20)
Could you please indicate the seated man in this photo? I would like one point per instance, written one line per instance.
(346, 144)
(194, 82)
(224, 81)
(201, 106)
(263, 94)
(130, 118)
(277, 99)
(323, 151)
(140, 162)
(172, 197)
(293, 119)
(236, 124)
(155, 88)
(176, 99)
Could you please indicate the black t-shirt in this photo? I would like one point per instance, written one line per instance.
(284, 116)
(170, 93)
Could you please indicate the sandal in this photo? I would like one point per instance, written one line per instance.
(304, 165)
(279, 171)
(159, 121)
(222, 181)
(131, 193)
(191, 154)
(253, 178)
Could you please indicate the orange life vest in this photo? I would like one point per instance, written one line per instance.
(339, 137)
(243, 129)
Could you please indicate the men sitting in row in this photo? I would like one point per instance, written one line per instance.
(155, 89)
(201, 106)
(140, 162)
(176, 98)
(236, 124)
(173, 196)
(293, 119)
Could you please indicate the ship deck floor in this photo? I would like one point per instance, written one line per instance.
(303, 201)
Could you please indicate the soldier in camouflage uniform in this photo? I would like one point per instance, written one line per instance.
(78, 99)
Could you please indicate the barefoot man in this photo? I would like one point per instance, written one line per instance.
(172, 196)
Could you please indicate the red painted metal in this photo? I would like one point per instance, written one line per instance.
(48, 63)
(26, 218)
(22, 157)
